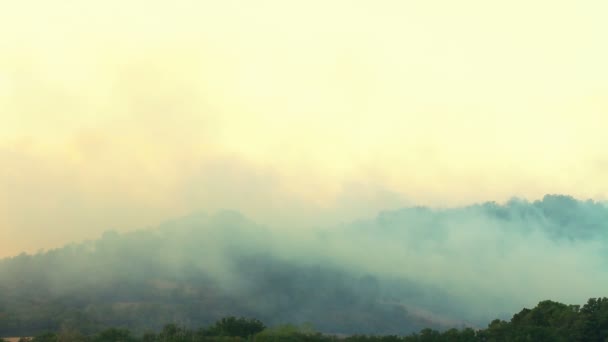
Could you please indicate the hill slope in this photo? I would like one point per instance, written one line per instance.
(397, 273)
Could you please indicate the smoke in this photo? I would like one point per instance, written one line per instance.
(117, 115)
(439, 267)
(497, 258)
(491, 259)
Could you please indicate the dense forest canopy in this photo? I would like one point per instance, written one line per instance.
(549, 321)
(400, 272)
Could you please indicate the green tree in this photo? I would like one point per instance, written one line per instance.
(174, 333)
(232, 326)
(70, 335)
(293, 333)
(45, 337)
(114, 335)
(595, 319)
(429, 335)
(149, 337)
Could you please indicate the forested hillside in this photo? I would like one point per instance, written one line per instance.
(398, 273)
(549, 321)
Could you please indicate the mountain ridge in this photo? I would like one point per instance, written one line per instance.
(396, 273)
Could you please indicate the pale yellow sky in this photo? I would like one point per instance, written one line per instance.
(120, 114)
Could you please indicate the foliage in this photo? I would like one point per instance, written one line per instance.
(199, 268)
(114, 335)
(548, 321)
(290, 333)
(45, 337)
(236, 327)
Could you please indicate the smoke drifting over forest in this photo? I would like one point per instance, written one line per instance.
(118, 115)
(397, 272)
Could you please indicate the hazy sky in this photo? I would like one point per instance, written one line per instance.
(120, 114)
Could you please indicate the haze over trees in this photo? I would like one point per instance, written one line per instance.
(549, 321)
(398, 273)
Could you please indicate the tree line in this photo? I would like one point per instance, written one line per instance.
(548, 321)
(199, 268)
